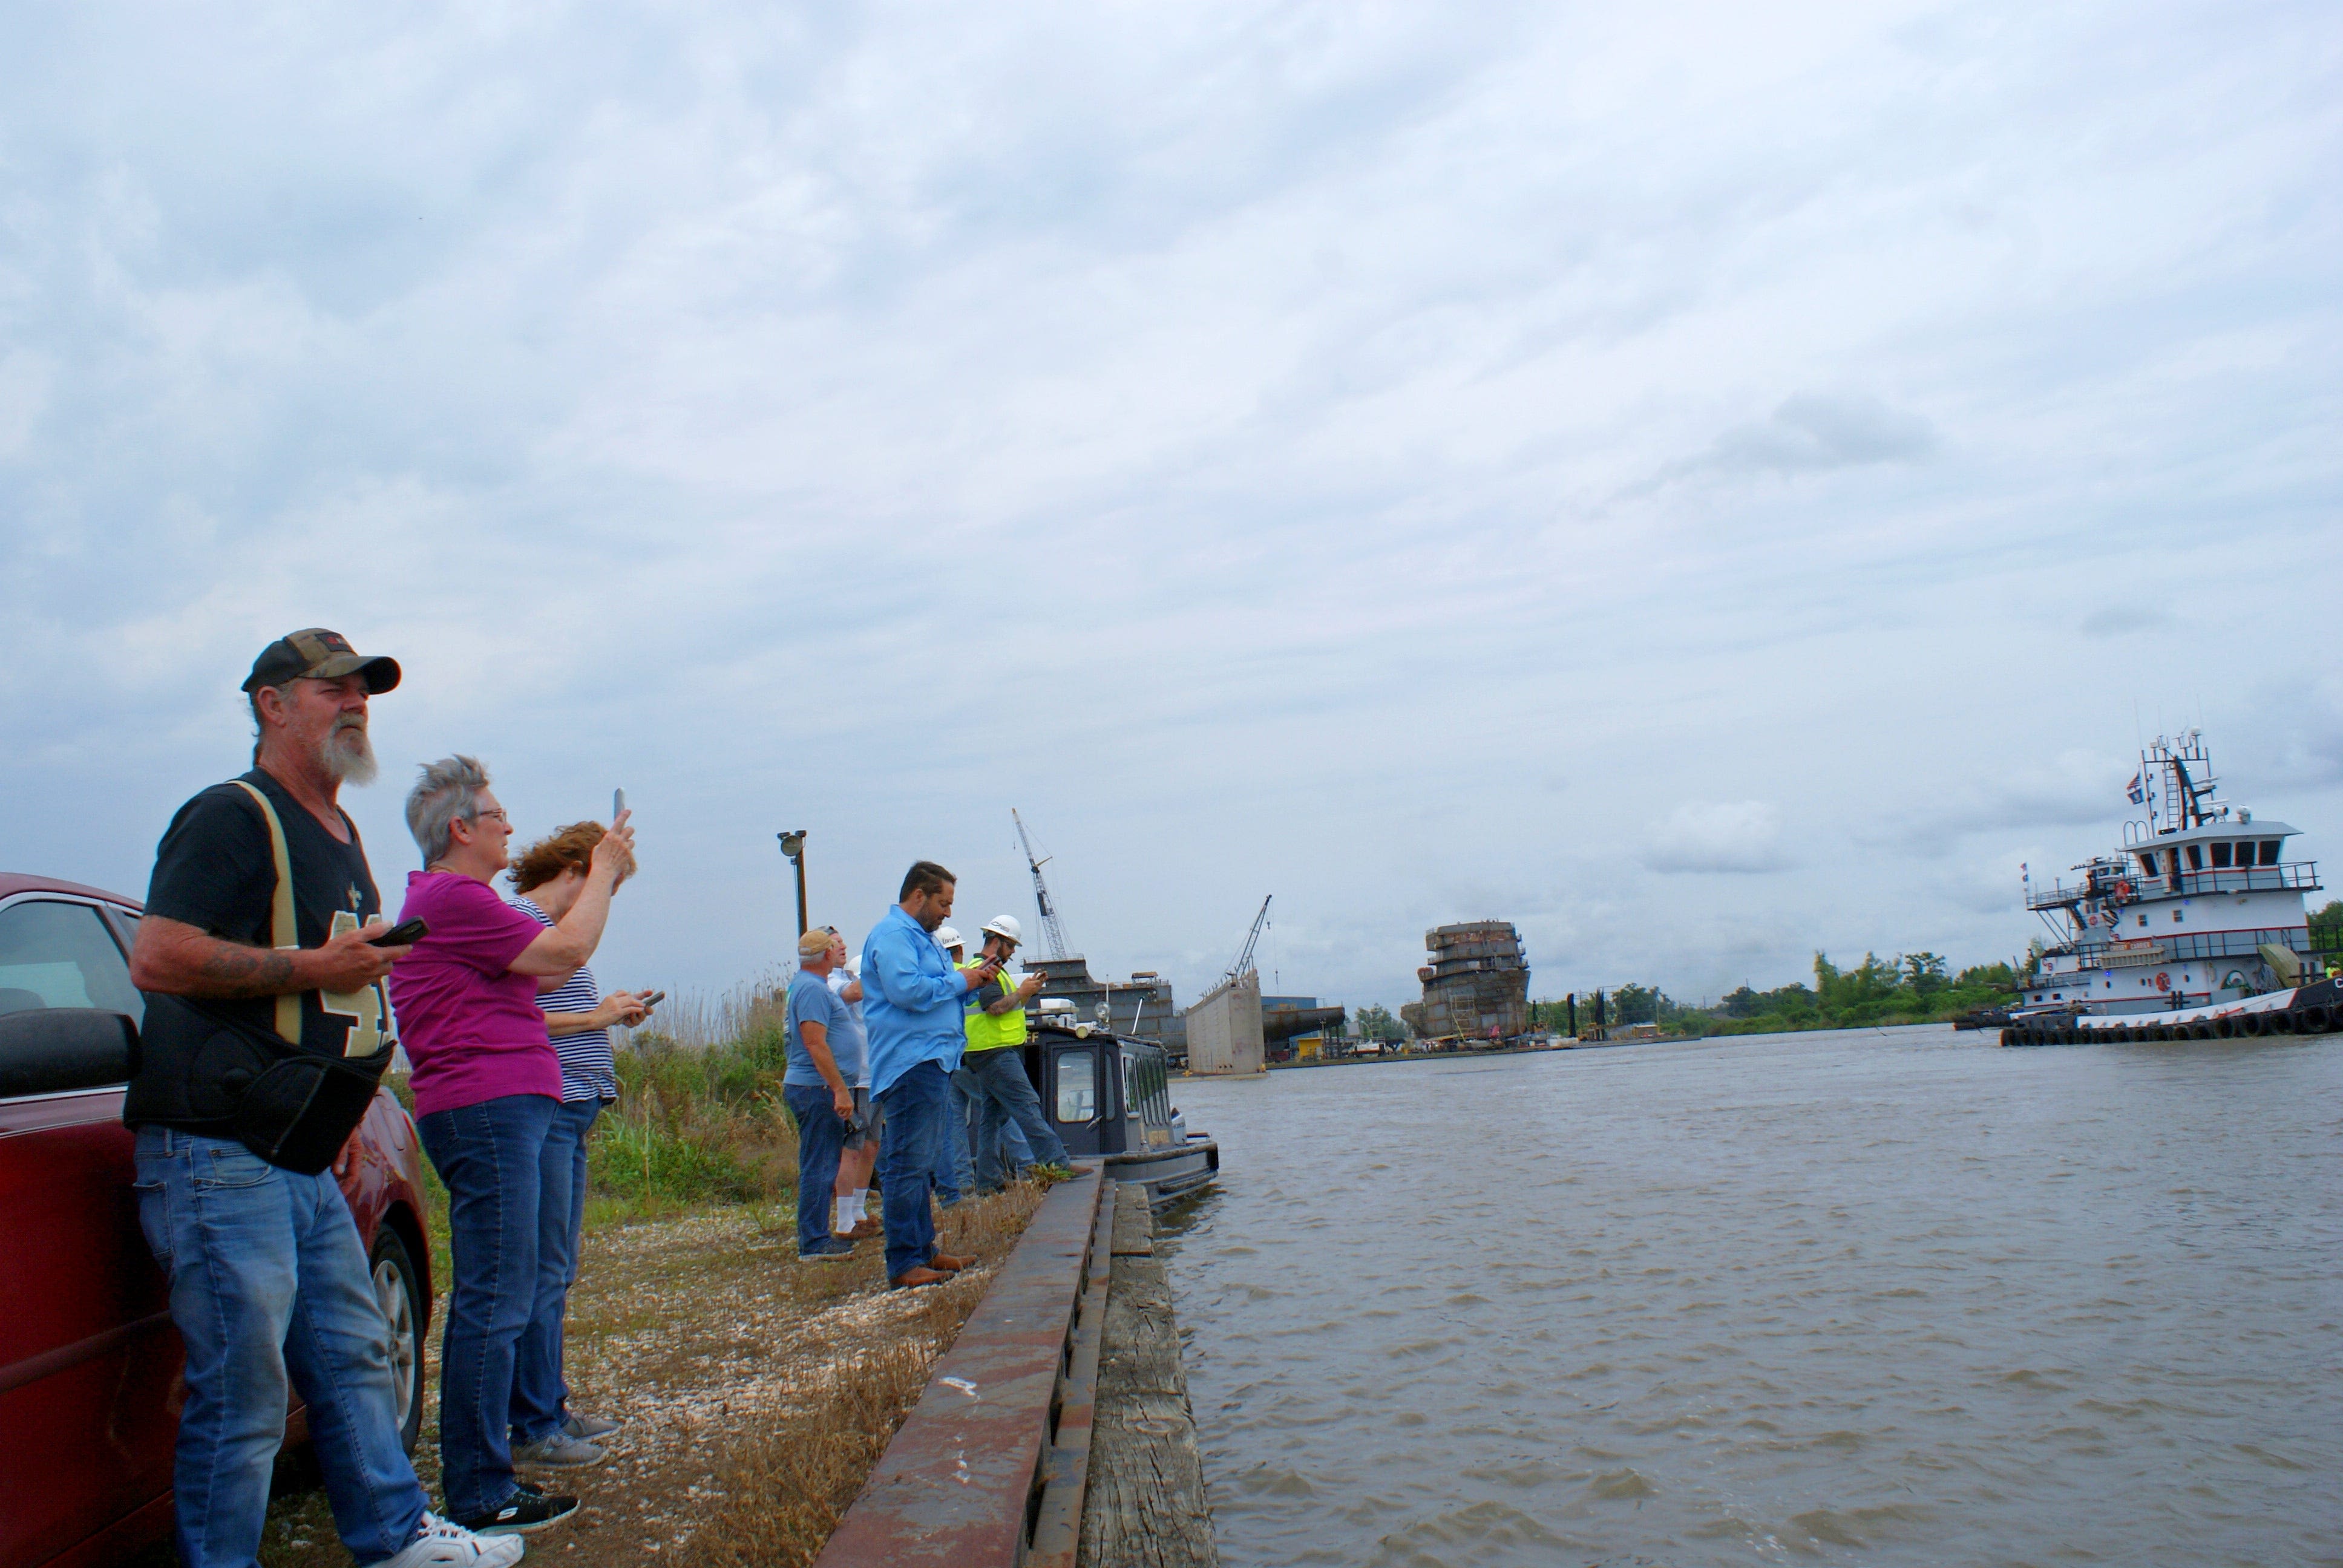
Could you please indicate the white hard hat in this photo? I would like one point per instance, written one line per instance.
(1006, 926)
(948, 939)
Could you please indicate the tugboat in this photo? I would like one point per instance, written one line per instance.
(1109, 1097)
(2194, 929)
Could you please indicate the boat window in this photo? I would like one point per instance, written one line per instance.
(1077, 1087)
(2195, 858)
(2220, 857)
(2269, 851)
(2143, 920)
(2148, 861)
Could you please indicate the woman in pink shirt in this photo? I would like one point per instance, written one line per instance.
(486, 1084)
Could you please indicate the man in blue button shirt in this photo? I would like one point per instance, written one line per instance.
(819, 1089)
(911, 1002)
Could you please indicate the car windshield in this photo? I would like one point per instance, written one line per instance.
(58, 954)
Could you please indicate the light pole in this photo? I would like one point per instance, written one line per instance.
(793, 846)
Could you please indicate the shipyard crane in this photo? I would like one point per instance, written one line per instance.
(1252, 940)
(1052, 936)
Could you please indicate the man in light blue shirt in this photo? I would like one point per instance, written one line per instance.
(911, 1002)
(819, 1089)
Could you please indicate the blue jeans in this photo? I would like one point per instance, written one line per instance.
(955, 1173)
(917, 1107)
(491, 1157)
(268, 1279)
(1006, 1098)
(1014, 1151)
(540, 1397)
(821, 1134)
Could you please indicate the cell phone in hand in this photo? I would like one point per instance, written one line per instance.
(400, 935)
(618, 804)
(652, 1000)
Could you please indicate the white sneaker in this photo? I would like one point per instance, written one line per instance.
(444, 1542)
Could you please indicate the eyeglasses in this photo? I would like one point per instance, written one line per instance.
(497, 813)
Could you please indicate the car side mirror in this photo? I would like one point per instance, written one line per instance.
(60, 1050)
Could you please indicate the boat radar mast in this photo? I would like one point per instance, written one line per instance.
(1052, 936)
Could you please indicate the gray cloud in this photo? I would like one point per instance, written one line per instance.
(2125, 620)
(1225, 433)
(2073, 789)
(1741, 837)
(1810, 434)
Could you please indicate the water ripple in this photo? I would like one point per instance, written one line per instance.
(1837, 1299)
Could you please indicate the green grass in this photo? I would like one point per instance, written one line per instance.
(694, 1125)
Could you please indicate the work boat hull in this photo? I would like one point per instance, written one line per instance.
(2306, 1010)
(1168, 1174)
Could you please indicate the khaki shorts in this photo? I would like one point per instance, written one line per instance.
(868, 1123)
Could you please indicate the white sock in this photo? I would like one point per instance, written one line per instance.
(849, 1211)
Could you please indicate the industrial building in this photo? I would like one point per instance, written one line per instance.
(1476, 985)
(1140, 1006)
(1295, 1028)
(1224, 1029)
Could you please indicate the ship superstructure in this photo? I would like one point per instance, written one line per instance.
(2199, 911)
(1476, 985)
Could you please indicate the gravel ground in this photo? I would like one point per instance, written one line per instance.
(702, 1333)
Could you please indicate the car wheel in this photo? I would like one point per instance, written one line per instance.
(398, 1292)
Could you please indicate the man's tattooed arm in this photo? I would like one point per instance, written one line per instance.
(175, 959)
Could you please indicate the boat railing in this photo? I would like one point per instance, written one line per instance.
(2297, 877)
(2301, 875)
(2235, 944)
(2134, 952)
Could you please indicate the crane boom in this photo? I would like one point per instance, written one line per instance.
(1252, 938)
(1052, 936)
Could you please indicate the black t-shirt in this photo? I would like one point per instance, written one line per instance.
(215, 871)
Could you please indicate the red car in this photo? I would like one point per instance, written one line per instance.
(89, 1362)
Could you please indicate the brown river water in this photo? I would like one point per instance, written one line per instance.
(1860, 1297)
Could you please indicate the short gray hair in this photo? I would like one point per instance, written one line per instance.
(259, 729)
(448, 791)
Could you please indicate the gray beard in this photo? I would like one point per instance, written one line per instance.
(344, 762)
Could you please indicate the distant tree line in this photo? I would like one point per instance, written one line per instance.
(2327, 927)
(1910, 988)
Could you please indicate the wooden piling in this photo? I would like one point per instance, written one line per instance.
(1144, 1506)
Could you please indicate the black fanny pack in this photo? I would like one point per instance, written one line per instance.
(293, 1107)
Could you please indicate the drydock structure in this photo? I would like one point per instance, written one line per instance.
(1476, 985)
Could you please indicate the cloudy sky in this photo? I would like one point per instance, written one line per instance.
(1704, 482)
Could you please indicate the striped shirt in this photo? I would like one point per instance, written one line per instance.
(587, 1071)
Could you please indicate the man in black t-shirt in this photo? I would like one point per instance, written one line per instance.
(269, 1285)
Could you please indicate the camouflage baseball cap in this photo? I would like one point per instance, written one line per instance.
(325, 655)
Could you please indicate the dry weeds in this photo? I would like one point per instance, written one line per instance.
(757, 1391)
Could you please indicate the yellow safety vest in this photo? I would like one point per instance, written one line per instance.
(987, 1032)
